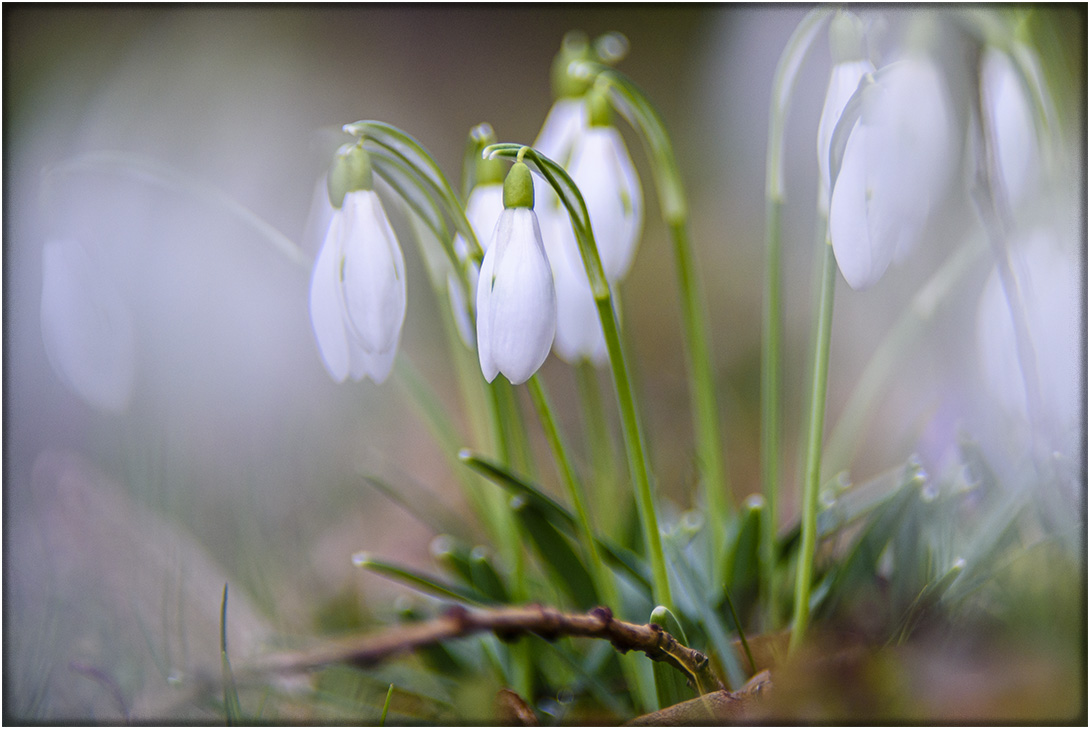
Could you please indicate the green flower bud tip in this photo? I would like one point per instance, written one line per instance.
(599, 112)
(847, 39)
(519, 187)
(611, 47)
(350, 171)
(574, 48)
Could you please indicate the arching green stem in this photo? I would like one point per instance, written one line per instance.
(813, 468)
(633, 104)
(783, 83)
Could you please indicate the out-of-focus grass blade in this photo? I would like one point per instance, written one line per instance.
(696, 592)
(423, 583)
(231, 694)
(386, 706)
(670, 684)
(556, 553)
(741, 560)
(849, 504)
(453, 555)
(420, 503)
(928, 598)
(557, 514)
(485, 577)
(859, 565)
(741, 631)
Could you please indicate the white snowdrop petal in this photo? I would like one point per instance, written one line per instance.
(1050, 290)
(483, 210)
(579, 332)
(327, 312)
(844, 80)
(566, 120)
(87, 330)
(517, 306)
(378, 365)
(604, 173)
(1011, 114)
(484, 308)
(852, 243)
(374, 272)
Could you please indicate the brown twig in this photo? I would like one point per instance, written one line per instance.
(507, 623)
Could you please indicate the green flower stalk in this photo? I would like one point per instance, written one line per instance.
(633, 104)
(783, 83)
(630, 420)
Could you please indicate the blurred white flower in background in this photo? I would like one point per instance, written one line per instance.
(605, 174)
(358, 291)
(850, 64)
(896, 167)
(1049, 291)
(87, 329)
(483, 209)
(579, 329)
(1012, 119)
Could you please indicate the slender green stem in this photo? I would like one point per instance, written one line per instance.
(600, 447)
(770, 410)
(784, 78)
(706, 417)
(813, 472)
(631, 429)
(634, 449)
(603, 578)
(571, 483)
(634, 105)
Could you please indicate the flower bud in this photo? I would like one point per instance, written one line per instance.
(351, 170)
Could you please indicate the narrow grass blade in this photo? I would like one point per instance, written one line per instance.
(485, 578)
(560, 516)
(557, 554)
(231, 694)
(418, 581)
(386, 706)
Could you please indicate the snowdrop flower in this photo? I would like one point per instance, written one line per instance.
(896, 165)
(516, 301)
(1012, 120)
(1049, 287)
(566, 119)
(605, 174)
(358, 290)
(87, 330)
(483, 209)
(850, 64)
(579, 330)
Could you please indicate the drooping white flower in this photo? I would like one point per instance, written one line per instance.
(1049, 290)
(565, 122)
(849, 66)
(605, 174)
(358, 289)
(579, 330)
(483, 209)
(87, 329)
(896, 166)
(516, 300)
(1012, 120)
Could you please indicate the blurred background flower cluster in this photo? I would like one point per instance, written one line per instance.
(138, 143)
